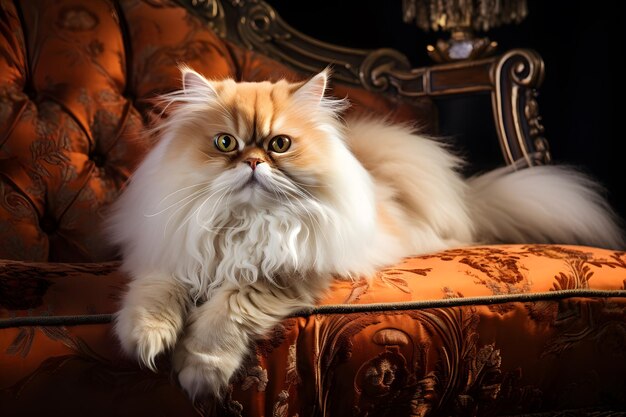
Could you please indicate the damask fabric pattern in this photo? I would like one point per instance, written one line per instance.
(77, 86)
(495, 330)
(477, 331)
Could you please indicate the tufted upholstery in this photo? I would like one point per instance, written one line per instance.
(500, 330)
(76, 89)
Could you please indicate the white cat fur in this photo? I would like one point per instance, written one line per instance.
(222, 265)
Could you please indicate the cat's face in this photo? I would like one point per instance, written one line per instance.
(263, 143)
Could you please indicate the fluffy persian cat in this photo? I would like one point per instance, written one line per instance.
(258, 193)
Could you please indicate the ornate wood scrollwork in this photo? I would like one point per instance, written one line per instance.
(512, 79)
(385, 70)
(256, 25)
(516, 76)
(211, 10)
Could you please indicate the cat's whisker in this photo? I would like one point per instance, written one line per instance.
(299, 190)
(304, 195)
(216, 206)
(211, 215)
(179, 201)
(304, 185)
(188, 217)
(286, 189)
(191, 198)
(197, 196)
(196, 212)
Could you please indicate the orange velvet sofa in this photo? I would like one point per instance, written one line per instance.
(491, 330)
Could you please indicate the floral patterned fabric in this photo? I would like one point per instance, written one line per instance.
(499, 330)
(77, 83)
(496, 330)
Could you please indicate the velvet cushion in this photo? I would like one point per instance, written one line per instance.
(478, 331)
(77, 86)
(490, 330)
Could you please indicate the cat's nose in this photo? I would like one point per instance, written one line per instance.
(253, 162)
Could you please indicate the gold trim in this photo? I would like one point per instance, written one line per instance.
(536, 129)
(496, 102)
(517, 125)
(515, 73)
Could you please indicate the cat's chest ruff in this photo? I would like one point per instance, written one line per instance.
(258, 244)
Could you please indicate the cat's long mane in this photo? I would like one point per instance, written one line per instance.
(257, 194)
(182, 213)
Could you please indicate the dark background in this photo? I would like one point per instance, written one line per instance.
(582, 44)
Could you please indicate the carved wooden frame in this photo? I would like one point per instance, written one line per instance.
(512, 79)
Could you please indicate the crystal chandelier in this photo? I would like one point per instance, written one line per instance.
(461, 18)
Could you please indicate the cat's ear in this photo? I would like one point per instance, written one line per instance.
(195, 84)
(312, 92)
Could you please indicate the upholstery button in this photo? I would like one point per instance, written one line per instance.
(130, 96)
(98, 159)
(30, 92)
(48, 224)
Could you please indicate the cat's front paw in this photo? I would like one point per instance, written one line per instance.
(145, 335)
(202, 372)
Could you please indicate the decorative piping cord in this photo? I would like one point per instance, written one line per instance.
(347, 308)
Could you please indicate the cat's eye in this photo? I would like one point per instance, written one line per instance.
(225, 142)
(279, 144)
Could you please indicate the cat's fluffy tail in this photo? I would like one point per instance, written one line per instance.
(542, 204)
